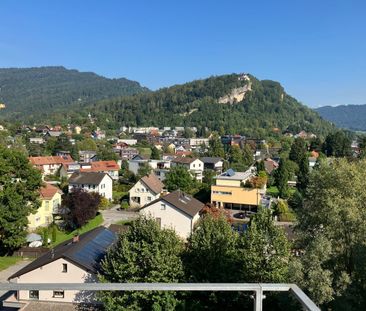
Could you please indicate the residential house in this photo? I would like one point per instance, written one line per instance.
(312, 162)
(146, 190)
(213, 163)
(98, 134)
(52, 134)
(110, 167)
(194, 165)
(229, 191)
(67, 169)
(198, 142)
(176, 210)
(101, 183)
(159, 167)
(36, 140)
(50, 165)
(128, 141)
(270, 165)
(74, 261)
(124, 151)
(50, 197)
(86, 156)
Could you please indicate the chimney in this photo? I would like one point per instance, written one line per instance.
(75, 239)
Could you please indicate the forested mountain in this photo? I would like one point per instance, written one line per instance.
(351, 117)
(29, 91)
(265, 107)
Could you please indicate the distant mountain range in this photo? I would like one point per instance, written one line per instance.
(351, 117)
(234, 103)
(29, 91)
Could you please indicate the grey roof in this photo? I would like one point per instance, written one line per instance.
(184, 160)
(89, 178)
(181, 201)
(232, 175)
(210, 160)
(87, 253)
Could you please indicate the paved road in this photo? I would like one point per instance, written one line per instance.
(4, 274)
(112, 215)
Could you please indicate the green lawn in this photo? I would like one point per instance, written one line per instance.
(63, 236)
(272, 191)
(6, 261)
(124, 222)
(144, 151)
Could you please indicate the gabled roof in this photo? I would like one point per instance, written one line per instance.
(48, 191)
(153, 183)
(51, 160)
(210, 160)
(185, 160)
(102, 166)
(87, 253)
(181, 201)
(91, 178)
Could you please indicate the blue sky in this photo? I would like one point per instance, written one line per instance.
(315, 48)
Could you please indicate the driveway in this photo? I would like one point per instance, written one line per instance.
(112, 215)
(4, 274)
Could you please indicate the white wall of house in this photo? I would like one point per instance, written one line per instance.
(105, 187)
(171, 217)
(196, 168)
(53, 272)
(141, 195)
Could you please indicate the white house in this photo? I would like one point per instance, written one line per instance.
(159, 167)
(176, 210)
(194, 165)
(213, 163)
(73, 261)
(98, 182)
(146, 190)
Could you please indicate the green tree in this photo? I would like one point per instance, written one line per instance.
(106, 153)
(145, 253)
(19, 184)
(298, 150)
(265, 251)
(337, 144)
(144, 170)
(87, 144)
(211, 256)
(333, 215)
(155, 153)
(180, 178)
(239, 160)
(216, 148)
(282, 176)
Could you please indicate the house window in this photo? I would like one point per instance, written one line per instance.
(47, 205)
(64, 267)
(34, 294)
(58, 294)
(163, 207)
(149, 199)
(38, 219)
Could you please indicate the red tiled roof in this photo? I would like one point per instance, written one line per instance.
(51, 160)
(102, 166)
(47, 191)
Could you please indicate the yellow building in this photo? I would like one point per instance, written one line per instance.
(50, 197)
(228, 192)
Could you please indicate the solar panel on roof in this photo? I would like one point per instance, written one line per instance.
(230, 172)
(93, 251)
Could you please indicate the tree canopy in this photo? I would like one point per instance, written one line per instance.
(19, 185)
